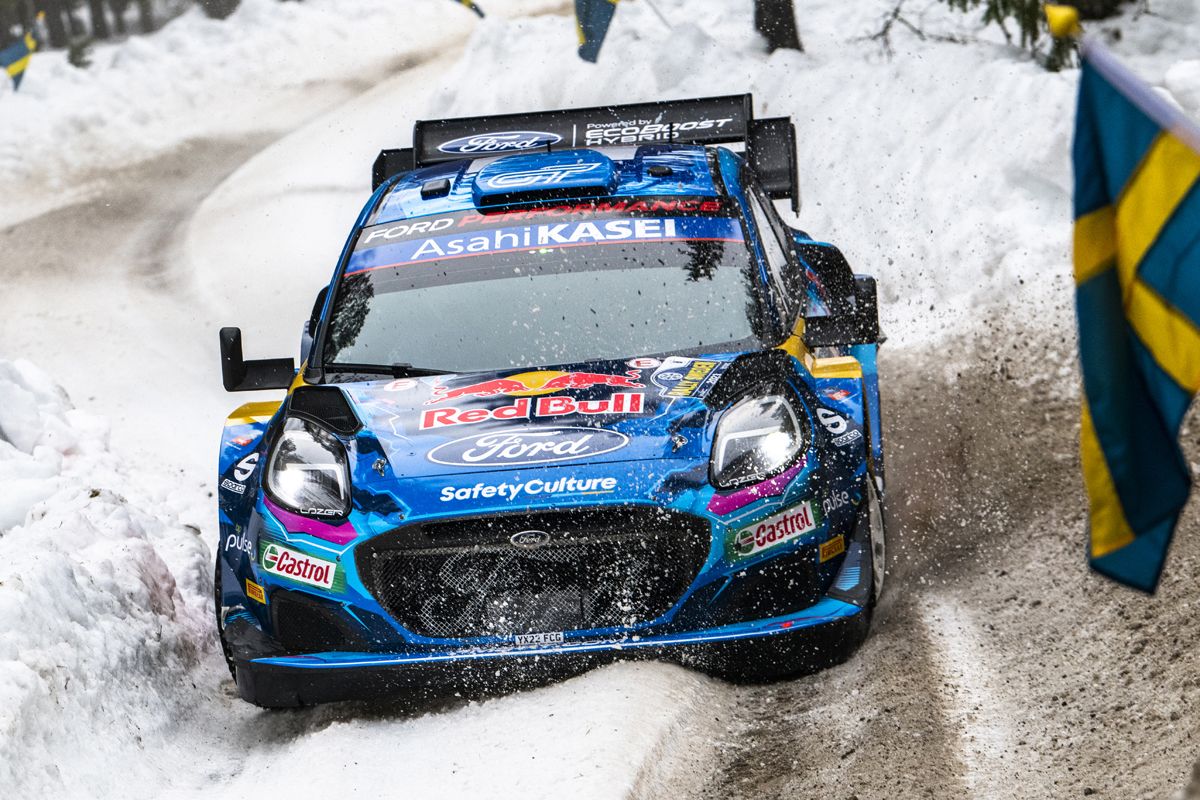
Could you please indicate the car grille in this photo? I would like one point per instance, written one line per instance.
(605, 568)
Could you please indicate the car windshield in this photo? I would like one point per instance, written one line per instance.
(476, 291)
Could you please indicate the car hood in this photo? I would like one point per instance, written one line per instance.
(567, 416)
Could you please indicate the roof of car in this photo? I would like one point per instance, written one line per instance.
(648, 170)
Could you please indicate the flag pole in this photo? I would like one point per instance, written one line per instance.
(654, 8)
(1064, 23)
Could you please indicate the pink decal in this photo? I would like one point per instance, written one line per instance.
(725, 504)
(343, 533)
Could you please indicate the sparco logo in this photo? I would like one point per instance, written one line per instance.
(500, 142)
(535, 447)
(245, 468)
(543, 176)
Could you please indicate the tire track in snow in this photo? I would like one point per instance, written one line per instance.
(874, 727)
(973, 701)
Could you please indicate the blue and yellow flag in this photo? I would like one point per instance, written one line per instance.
(592, 18)
(1137, 290)
(15, 58)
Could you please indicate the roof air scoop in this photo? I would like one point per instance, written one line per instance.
(567, 174)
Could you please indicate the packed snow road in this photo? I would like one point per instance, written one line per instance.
(998, 666)
(985, 676)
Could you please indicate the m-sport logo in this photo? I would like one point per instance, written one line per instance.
(506, 141)
(545, 446)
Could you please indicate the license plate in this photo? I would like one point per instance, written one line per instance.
(539, 638)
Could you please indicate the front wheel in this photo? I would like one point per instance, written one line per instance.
(788, 655)
(878, 528)
(220, 623)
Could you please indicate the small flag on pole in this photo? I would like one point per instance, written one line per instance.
(592, 18)
(15, 58)
(1137, 292)
(471, 5)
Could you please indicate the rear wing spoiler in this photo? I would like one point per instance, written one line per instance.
(770, 144)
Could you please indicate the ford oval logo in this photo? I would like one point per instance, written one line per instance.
(518, 448)
(504, 142)
(529, 540)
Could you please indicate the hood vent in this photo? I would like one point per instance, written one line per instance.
(327, 406)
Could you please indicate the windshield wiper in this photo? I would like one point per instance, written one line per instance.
(394, 370)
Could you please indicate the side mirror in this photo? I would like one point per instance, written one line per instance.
(240, 375)
(857, 326)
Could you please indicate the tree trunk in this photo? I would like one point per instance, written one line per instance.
(100, 27)
(145, 16)
(56, 29)
(74, 26)
(27, 14)
(8, 23)
(118, 8)
(1097, 9)
(776, 21)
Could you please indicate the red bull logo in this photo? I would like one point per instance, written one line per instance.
(537, 383)
(524, 408)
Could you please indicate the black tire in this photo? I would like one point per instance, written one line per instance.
(225, 649)
(790, 655)
(877, 520)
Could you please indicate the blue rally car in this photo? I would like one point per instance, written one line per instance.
(574, 393)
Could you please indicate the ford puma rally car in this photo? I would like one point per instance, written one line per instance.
(574, 393)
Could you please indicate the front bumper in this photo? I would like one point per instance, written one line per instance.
(824, 633)
(345, 645)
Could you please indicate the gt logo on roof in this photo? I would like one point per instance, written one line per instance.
(542, 176)
(505, 141)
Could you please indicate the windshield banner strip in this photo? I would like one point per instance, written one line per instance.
(486, 219)
(556, 235)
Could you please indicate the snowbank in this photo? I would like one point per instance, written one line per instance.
(111, 684)
(596, 737)
(266, 67)
(101, 594)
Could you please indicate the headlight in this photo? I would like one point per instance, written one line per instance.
(307, 472)
(756, 438)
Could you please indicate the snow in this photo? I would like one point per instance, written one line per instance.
(111, 682)
(943, 170)
(96, 582)
(587, 738)
(267, 67)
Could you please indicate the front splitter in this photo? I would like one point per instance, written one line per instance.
(286, 681)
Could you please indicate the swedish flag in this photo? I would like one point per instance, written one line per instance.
(15, 58)
(592, 18)
(1137, 289)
